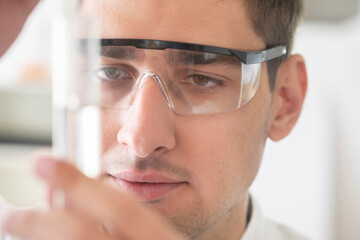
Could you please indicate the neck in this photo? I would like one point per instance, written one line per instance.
(231, 226)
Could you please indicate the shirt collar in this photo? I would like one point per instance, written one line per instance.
(256, 225)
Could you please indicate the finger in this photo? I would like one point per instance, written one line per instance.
(13, 15)
(28, 5)
(54, 225)
(100, 201)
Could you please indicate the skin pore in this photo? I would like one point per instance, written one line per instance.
(216, 157)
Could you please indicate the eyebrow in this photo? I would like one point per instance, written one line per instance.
(203, 58)
(121, 53)
(173, 56)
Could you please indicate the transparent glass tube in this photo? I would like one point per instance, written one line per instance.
(76, 133)
(76, 128)
(76, 119)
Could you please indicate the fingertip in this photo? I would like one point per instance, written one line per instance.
(45, 166)
(56, 173)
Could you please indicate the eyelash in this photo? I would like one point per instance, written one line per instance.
(128, 76)
(123, 73)
(217, 84)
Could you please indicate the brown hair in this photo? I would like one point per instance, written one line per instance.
(275, 21)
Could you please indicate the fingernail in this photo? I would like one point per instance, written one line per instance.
(45, 166)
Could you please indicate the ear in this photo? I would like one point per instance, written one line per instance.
(288, 97)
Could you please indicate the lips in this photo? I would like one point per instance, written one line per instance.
(149, 187)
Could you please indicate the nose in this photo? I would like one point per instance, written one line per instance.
(147, 127)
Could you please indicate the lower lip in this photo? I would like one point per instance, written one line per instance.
(147, 191)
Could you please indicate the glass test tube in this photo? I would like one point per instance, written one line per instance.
(76, 118)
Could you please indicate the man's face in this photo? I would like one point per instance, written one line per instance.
(202, 165)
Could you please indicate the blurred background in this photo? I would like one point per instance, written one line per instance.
(310, 180)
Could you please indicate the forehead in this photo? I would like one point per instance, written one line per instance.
(211, 22)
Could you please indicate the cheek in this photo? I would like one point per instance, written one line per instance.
(110, 125)
(224, 151)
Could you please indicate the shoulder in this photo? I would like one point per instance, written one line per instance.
(261, 228)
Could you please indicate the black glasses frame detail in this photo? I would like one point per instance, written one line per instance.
(245, 57)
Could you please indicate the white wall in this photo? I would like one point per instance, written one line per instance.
(311, 179)
(349, 162)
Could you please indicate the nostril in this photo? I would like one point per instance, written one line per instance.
(160, 149)
(121, 139)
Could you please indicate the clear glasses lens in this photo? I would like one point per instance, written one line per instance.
(191, 82)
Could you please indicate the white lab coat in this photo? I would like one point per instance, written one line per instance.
(260, 228)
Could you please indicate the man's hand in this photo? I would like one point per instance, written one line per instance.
(13, 14)
(94, 210)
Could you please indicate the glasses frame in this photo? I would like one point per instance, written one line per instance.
(246, 57)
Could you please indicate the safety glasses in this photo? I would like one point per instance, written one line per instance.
(193, 78)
